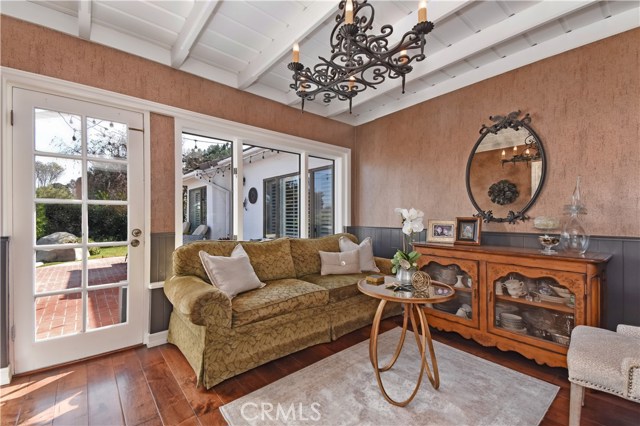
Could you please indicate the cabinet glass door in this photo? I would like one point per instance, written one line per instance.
(462, 275)
(534, 304)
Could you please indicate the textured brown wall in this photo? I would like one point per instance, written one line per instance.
(585, 106)
(162, 173)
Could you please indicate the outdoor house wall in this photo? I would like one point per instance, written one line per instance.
(585, 106)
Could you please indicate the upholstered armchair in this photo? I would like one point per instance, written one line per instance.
(603, 360)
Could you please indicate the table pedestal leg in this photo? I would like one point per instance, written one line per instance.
(423, 339)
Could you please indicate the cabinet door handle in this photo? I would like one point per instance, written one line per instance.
(475, 293)
(490, 296)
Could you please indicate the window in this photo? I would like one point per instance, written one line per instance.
(207, 183)
(321, 211)
(269, 185)
(198, 206)
(282, 206)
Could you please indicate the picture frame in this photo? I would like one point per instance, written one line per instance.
(468, 230)
(441, 231)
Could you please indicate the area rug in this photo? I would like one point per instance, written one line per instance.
(342, 390)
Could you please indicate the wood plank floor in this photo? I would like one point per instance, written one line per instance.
(155, 386)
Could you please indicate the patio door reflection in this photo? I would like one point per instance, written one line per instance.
(80, 173)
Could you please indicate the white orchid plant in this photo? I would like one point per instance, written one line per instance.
(411, 224)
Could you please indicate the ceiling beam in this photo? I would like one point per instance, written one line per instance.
(578, 37)
(84, 19)
(308, 21)
(525, 21)
(193, 26)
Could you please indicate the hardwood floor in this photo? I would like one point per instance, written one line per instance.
(155, 386)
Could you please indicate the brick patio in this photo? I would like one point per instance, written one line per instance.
(62, 314)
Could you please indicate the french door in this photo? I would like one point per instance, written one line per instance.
(78, 236)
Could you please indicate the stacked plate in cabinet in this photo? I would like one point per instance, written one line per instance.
(512, 322)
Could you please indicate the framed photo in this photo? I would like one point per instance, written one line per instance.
(468, 230)
(441, 231)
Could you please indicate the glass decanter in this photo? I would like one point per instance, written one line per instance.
(573, 237)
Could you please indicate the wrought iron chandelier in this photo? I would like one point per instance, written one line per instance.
(359, 60)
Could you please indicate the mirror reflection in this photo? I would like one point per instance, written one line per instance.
(505, 169)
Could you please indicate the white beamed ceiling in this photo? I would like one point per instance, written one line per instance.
(247, 44)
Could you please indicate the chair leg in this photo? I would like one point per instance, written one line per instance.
(576, 401)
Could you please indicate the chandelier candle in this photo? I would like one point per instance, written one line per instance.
(348, 13)
(422, 11)
(296, 53)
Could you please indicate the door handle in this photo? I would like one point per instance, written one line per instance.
(135, 243)
(136, 232)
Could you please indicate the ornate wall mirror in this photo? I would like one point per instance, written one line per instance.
(506, 169)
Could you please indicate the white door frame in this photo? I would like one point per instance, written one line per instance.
(20, 79)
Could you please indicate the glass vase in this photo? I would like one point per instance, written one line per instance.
(403, 276)
(574, 238)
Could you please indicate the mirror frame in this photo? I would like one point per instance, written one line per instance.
(503, 122)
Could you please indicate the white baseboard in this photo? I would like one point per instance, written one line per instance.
(5, 375)
(156, 339)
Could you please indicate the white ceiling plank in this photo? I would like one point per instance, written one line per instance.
(313, 16)
(127, 43)
(588, 34)
(193, 26)
(209, 72)
(84, 19)
(516, 25)
(41, 15)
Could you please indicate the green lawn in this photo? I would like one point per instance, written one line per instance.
(110, 252)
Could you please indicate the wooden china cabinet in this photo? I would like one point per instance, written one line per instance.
(550, 295)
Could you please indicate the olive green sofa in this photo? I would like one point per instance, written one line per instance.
(297, 308)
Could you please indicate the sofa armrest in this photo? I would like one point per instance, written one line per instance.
(384, 265)
(199, 301)
(628, 330)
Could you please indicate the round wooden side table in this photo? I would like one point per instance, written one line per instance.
(436, 293)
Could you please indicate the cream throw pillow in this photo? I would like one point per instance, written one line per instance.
(367, 262)
(232, 275)
(339, 262)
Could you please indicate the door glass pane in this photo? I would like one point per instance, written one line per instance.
(58, 132)
(106, 139)
(58, 178)
(107, 265)
(207, 181)
(57, 224)
(107, 307)
(107, 223)
(59, 315)
(59, 274)
(106, 181)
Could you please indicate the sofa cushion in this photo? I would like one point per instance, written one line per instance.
(271, 259)
(305, 252)
(340, 287)
(365, 250)
(339, 263)
(186, 259)
(278, 297)
(231, 274)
